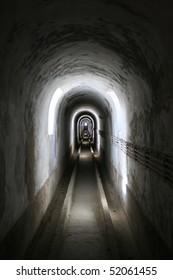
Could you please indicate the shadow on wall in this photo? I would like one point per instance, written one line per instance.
(2, 183)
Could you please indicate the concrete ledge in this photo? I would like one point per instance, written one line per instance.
(107, 222)
(64, 216)
(16, 242)
(14, 245)
(149, 242)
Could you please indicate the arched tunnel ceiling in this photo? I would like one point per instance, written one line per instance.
(82, 47)
(78, 98)
(52, 39)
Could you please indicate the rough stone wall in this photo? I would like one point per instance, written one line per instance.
(43, 44)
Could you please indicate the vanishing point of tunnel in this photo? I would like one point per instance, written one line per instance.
(86, 136)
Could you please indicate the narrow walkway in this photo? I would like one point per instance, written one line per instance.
(84, 237)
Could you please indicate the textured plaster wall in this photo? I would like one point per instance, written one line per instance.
(103, 45)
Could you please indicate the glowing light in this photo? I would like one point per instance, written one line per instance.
(51, 117)
(124, 184)
(79, 122)
(91, 150)
(85, 124)
(89, 110)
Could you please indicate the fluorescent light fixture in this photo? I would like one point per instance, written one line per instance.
(51, 117)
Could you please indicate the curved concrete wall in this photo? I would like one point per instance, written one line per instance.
(120, 54)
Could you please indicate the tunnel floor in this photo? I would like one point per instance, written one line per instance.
(84, 236)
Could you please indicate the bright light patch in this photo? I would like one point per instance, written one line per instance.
(124, 184)
(116, 113)
(72, 124)
(51, 117)
(85, 124)
(115, 99)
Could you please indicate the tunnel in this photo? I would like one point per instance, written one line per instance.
(86, 146)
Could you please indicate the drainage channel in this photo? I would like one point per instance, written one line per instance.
(84, 230)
